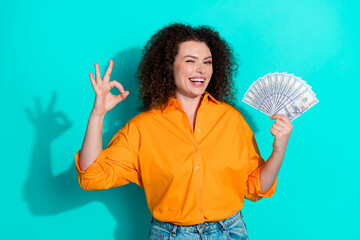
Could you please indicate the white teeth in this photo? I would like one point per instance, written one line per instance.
(196, 79)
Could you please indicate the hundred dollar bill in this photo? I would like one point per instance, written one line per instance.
(266, 87)
(292, 88)
(298, 106)
(278, 85)
(283, 89)
(254, 102)
(289, 82)
(261, 90)
(280, 93)
(272, 83)
(296, 88)
(254, 94)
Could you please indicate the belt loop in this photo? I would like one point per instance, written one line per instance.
(173, 231)
(223, 227)
(200, 232)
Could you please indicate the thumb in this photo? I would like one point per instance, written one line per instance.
(122, 96)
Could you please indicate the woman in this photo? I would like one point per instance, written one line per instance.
(192, 152)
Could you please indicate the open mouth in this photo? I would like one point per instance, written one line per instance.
(197, 80)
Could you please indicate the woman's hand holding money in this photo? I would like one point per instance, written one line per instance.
(281, 130)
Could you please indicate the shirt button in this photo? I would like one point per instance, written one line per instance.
(195, 149)
(200, 209)
(198, 130)
(197, 167)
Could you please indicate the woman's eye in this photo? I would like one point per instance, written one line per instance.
(190, 61)
(208, 62)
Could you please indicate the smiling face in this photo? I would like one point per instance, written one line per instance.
(192, 70)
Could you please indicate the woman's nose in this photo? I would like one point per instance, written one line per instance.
(200, 69)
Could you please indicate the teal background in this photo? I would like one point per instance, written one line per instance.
(47, 49)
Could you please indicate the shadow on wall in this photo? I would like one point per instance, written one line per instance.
(248, 118)
(47, 194)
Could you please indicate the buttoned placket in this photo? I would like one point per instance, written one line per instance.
(198, 162)
(195, 136)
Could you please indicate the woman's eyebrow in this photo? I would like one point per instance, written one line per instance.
(196, 57)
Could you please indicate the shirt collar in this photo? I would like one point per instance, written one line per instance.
(208, 97)
(174, 102)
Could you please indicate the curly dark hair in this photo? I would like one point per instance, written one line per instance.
(155, 71)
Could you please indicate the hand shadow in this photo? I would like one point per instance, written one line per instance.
(47, 194)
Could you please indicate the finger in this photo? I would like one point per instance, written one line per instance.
(287, 126)
(277, 127)
(62, 117)
(285, 119)
(274, 131)
(122, 96)
(52, 102)
(92, 80)
(285, 122)
(281, 123)
(108, 71)
(30, 115)
(63, 121)
(97, 73)
(280, 116)
(38, 106)
(117, 85)
(276, 116)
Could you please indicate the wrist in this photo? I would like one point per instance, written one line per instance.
(97, 114)
(277, 153)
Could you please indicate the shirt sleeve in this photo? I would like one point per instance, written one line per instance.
(253, 187)
(115, 166)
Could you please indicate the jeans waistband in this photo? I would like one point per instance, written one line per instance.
(206, 226)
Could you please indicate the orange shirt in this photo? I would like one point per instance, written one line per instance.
(189, 177)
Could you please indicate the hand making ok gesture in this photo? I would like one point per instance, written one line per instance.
(104, 99)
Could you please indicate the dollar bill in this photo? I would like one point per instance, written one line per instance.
(281, 93)
(299, 105)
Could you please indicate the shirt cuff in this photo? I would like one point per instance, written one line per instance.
(94, 170)
(269, 192)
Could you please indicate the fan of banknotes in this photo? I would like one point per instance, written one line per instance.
(281, 93)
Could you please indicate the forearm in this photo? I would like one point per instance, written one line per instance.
(92, 144)
(270, 169)
(281, 130)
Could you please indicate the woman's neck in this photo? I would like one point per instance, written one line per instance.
(190, 107)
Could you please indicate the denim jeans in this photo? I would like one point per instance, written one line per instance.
(227, 229)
